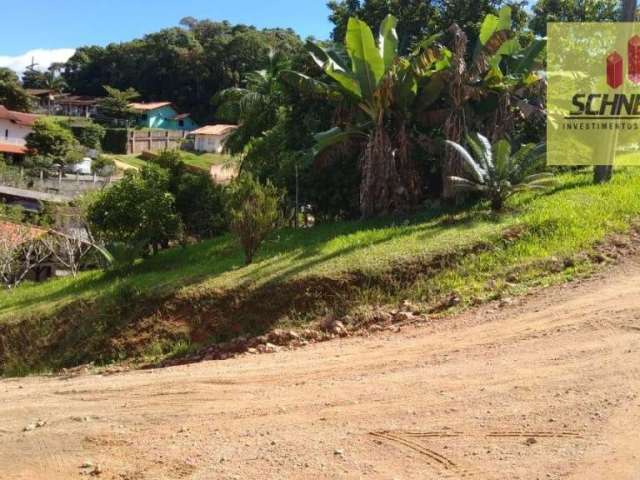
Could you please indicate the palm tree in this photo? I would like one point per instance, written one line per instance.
(253, 107)
(52, 80)
(498, 174)
(385, 89)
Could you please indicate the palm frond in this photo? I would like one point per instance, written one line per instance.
(476, 170)
(466, 185)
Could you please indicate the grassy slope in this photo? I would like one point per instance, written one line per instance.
(199, 160)
(560, 224)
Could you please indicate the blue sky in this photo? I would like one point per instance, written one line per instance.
(66, 24)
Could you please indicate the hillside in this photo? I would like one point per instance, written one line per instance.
(184, 299)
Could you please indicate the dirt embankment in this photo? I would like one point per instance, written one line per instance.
(547, 387)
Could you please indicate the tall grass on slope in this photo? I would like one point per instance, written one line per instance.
(552, 229)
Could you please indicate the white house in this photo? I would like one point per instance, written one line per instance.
(14, 128)
(211, 138)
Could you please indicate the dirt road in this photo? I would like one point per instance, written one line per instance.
(548, 388)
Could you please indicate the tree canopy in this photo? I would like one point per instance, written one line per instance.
(186, 65)
(12, 95)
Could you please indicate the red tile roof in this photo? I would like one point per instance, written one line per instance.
(15, 149)
(219, 129)
(16, 233)
(19, 118)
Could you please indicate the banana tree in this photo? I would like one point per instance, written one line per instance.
(482, 92)
(385, 88)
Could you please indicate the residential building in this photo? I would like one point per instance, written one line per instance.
(75, 105)
(43, 98)
(211, 138)
(162, 115)
(14, 128)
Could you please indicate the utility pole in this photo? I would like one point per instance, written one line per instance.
(603, 173)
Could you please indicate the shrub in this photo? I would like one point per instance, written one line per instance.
(254, 210)
(52, 140)
(200, 203)
(137, 209)
(90, 135)
(115, 140)
(38, 164)
(103, 166)
(496, 173)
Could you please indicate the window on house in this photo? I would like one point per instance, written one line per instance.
(181, 123)
(6, 133)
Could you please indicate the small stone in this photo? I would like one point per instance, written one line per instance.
(531, 441)
(30, 427)
(87, 464)
(338, 451)
(97, 470)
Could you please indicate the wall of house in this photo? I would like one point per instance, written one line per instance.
(163, 118)
(209, 143)
(10, 131)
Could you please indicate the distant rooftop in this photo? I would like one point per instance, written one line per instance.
(219, 129)
(144, 107)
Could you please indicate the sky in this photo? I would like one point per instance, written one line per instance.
(49, 30)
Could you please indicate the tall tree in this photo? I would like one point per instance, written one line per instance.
(12, 95)
(116, 103)
(572, 11)
(417, 18)
(50, 79)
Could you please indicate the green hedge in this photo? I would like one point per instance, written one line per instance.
(115, 141)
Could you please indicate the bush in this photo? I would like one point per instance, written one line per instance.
(52, 140)
(38, 164)
(115, 141)
(137, 209)
(200, 203)
(496, 173)
(103, 166)
(90, 135)
(253, 210)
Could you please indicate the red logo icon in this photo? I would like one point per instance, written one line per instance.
(615, 64)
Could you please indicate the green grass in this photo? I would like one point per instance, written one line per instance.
(555, 226)
(133, 160)
(199, 160)
(205, 160)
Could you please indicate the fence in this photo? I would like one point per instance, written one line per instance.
(154, 140)
(61, 184)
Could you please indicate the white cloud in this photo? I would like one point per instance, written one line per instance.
(43, 57)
